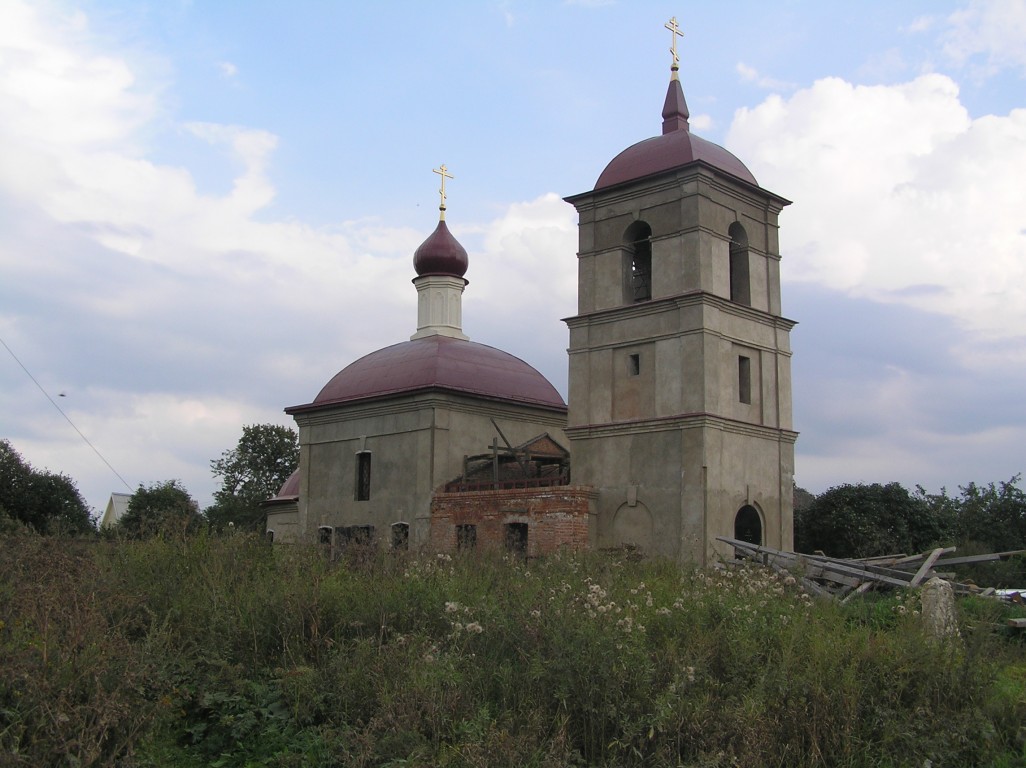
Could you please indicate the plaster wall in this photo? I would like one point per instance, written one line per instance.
(416, 444)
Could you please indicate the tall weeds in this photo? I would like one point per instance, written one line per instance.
(227, 652)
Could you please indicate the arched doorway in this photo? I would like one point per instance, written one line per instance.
(748, 525)
(633, 526)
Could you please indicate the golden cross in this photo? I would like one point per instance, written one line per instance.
(675, 30)
(444, 173)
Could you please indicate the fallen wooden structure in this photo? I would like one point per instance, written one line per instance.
(846, 578)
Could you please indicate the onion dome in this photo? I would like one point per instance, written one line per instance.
(441, 254)
(438, 363)
(675, 148)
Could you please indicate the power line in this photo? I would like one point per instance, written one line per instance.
(62, 413)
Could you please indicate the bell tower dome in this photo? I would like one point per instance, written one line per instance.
(680, 360)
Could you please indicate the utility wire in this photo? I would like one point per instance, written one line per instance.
(62, 413)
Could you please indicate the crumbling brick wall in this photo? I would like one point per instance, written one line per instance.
(556, 518)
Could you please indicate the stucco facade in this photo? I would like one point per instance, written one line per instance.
(680, 374)
(415, 444)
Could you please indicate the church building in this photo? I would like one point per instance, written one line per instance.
(678, 427)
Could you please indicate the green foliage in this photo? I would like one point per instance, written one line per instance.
(868, 520)
(224, 651)
(44, 501)
(160, 508)
(251, 473)
(987, 518)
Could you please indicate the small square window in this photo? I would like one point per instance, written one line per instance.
(633, 365)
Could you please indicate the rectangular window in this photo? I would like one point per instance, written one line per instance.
(633, 365)
(516, 538)
(363, 475)
(744, 379)
(466, 537)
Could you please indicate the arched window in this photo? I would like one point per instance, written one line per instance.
(637, 262)
(748, 525)
(400, 536)
(740, 284)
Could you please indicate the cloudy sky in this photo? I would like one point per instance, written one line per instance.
(208, 209)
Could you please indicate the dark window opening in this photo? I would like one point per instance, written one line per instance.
(638, 262)
(324, 535)
(353, 535)
(748, 525)
(633, 365)
(363, 475)
(740, 283)
(270, 537)
(401, 536)
(516, 538)
(466, 537)
(744, 379)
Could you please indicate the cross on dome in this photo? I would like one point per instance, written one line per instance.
(674, 34)
(444, 173)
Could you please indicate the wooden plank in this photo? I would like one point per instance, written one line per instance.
(862, 588)
(900, 579)
(980, 558)
(925, 567)
(1017, 623)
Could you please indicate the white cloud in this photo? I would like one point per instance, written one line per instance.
(751, 75)
(993, 29)
(227, 69)
(901, 196)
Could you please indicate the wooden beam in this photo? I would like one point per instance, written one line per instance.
(925, 567)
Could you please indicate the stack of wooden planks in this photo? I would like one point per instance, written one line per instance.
(846, 578)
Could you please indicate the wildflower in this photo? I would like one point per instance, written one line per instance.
(474, 627)
(452, 607)
(689, 673)
(535, 614)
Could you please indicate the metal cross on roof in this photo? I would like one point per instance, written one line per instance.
(675, 30)
(444, 173)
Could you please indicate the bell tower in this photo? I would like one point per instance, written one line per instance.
(680, 359)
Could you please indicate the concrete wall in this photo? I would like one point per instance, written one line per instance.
(673, 429)
(416, 443)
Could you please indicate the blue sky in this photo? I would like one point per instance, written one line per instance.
(208, 209)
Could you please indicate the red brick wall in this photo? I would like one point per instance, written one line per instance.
(556, 517)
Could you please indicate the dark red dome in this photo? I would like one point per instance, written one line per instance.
(439, 362)
(669, 151)
(441, 254)
(675, 148)
(290, 489)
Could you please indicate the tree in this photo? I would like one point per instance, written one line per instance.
(868, 520)
(44, 501)
(160, 508)
(988, 518)
(251, 473)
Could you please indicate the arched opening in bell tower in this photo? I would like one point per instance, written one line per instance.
(748, 525)
(740, 283)
(637, 262)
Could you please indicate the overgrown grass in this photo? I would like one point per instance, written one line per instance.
(226, 652)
